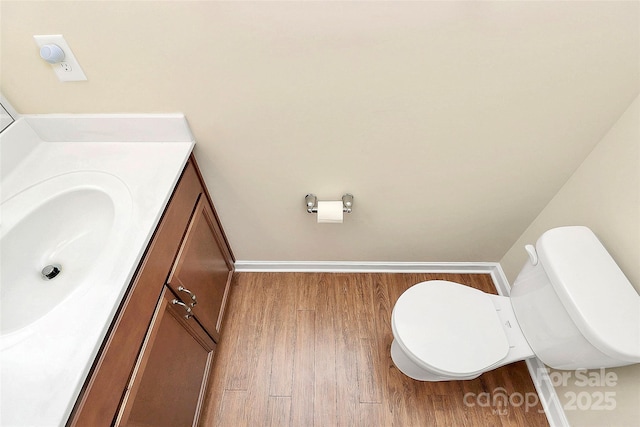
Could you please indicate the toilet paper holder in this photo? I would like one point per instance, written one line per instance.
(312, 203)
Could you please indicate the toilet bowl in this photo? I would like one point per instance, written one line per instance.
(435, 340)
(571, 306)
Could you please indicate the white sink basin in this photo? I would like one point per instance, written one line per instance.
(68, 221)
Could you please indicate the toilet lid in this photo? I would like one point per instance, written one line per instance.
(449, 327)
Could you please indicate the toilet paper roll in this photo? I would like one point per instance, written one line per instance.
(330, 212)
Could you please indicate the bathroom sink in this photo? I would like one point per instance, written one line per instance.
(74, 221)
(84, 192)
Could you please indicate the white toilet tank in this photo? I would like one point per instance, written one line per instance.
(575, 306)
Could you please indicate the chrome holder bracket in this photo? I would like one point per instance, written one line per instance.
(312, 203)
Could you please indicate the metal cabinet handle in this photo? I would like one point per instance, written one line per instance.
(176, 301)
(194, 301)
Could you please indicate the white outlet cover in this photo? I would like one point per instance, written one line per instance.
(69, 69)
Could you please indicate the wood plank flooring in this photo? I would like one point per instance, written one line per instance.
(307, 349)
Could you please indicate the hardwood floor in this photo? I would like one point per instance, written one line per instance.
(307, 349)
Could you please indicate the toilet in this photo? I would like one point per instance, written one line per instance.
(571, 306)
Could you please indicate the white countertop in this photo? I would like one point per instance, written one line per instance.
(44, 365)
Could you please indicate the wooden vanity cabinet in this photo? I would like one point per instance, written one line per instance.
(188, 252)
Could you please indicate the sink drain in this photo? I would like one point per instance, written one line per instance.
(51, 271)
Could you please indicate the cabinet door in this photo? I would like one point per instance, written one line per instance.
(169, 381)
(202, 269)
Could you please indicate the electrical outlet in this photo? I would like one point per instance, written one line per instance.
(68, 70)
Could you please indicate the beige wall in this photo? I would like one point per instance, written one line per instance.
(603, 194)
(453, 124)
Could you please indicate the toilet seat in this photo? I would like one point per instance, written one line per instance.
(449, 328)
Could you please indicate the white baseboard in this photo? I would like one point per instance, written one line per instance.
(547, 393)
(364, 267)
(539, 373)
